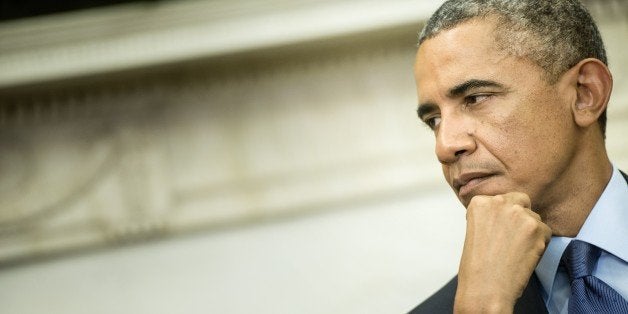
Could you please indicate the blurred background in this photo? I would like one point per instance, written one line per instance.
(227, 156)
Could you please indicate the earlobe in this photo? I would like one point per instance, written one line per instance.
(594, 86)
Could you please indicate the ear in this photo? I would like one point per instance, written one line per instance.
(594, 84)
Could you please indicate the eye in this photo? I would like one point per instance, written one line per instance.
(476, 98)
(432, 122)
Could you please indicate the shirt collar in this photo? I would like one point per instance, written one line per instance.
(604, 227)
(548, 265)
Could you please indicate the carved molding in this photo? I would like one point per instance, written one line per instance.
(116, 165)
(149, 34)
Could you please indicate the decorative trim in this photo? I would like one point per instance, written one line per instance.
(140, 35)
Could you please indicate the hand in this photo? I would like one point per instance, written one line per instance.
(504, 242)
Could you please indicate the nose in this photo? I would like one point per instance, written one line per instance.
(454, 138)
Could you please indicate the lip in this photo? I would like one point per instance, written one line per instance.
(464, 183)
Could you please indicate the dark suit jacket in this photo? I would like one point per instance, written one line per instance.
(443, 300)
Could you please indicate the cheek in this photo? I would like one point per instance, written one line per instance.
(528, 141)
(513, 136)
(446, 173)
(535, 139)
(528, 122)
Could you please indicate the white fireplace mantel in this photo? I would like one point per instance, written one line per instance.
(146, 34)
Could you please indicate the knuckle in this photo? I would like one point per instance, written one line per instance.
(541, 245)
(479, 201)
(499, 199)
(517, 211)
(531, 227)
(520, 197)
(535, 215)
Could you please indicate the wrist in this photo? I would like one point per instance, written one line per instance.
(483, 303)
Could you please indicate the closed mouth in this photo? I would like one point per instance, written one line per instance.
(468, 180)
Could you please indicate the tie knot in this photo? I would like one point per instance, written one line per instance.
(580, 259)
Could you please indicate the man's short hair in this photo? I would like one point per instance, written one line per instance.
(554, 34)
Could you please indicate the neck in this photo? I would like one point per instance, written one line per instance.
(576, 190)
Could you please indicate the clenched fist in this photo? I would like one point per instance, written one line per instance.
(504, 242)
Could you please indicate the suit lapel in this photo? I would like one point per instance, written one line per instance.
(531, 300)
(442, 301)
(625, 176)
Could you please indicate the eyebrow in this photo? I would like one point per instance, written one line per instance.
(463, 88)
(424, 109)
(457, 91)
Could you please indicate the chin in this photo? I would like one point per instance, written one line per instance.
(465, 199)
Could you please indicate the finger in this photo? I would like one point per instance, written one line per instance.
(547, 233)
(519, 199)
(533, 214)
(544, 229)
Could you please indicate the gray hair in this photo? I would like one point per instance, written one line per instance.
(554, 34)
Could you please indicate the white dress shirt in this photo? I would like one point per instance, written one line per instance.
(607, 228)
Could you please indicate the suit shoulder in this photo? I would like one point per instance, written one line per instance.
(440, 302)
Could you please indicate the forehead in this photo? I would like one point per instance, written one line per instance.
(465, 52)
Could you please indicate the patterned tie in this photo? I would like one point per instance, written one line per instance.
(588, 293)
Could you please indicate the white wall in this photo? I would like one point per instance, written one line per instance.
(382, 257)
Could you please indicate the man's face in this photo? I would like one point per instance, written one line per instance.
(500, 126)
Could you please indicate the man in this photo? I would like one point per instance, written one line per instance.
(516, 92)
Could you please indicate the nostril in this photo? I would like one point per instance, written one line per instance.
(460, 152)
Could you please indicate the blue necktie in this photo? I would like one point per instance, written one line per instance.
(589, 294)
